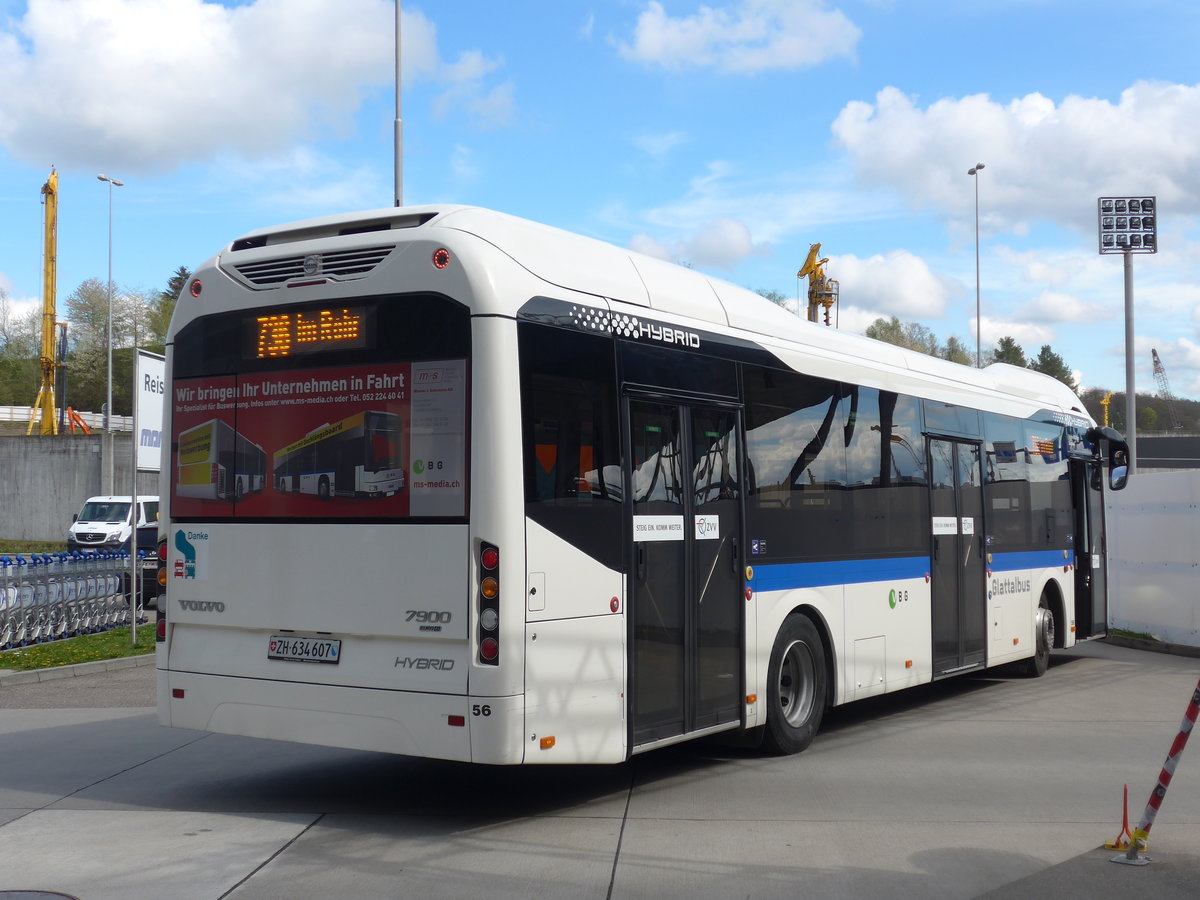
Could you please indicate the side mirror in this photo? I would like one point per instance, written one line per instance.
(1108, 439)
(1118, 472)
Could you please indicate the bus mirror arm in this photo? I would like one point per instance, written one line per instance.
(1103, 438)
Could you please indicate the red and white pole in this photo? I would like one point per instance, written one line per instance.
(1142, 832)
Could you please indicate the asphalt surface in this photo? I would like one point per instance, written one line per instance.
(977, 787)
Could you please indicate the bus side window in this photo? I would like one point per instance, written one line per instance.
(573, 481)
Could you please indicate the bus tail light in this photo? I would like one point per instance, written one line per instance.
(488, 600)
(160, 626)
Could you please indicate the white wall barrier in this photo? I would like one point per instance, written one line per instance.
(1154, 556)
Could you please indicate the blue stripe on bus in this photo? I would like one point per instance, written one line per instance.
(1031, 559)
(784, 576)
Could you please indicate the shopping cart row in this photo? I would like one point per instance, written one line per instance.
(48, 596)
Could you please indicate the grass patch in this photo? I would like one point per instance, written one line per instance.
(112, 644)
(1131, 635)
(7, 548)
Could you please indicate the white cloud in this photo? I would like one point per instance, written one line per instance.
(1056, 306)
(744, 37)
(145, 85)
(895, 284)
(1029, 336)
(1042, 160)
(589, 23)
(720, 244)
(659, 144)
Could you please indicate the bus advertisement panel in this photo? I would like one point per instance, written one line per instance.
(360, 442)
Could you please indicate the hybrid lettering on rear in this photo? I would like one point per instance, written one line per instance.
(423, 663)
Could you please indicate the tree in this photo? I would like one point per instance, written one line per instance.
(1009, 351)
(162, 307)
(1050, 363)
(914, 336)
(20, 347)
(775, 297)
(956, 351)
(1147, 419)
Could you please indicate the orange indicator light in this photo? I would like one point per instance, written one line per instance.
(546, 743)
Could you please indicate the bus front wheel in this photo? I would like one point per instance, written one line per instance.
(1043, 633)
(796, 687)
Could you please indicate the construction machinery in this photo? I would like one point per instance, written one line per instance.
(822, 290)
(1105, 402)
(44, 405)
(1164, 391)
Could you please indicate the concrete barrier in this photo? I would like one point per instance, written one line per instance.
(44, 480)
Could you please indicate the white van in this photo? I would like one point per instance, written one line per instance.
(104, 522)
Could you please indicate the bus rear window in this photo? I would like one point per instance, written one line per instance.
(367, 433)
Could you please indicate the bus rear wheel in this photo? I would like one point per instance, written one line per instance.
(796, 687)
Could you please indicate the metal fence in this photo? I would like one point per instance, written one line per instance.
(49, 596)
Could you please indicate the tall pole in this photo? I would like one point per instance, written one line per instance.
(1130, 387)
(399, 138)
(112, 182)
(974, 172)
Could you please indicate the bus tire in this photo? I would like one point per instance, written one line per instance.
(323, 488)
(796, 687)
(1043, 638)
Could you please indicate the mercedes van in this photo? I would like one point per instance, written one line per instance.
(105, 523)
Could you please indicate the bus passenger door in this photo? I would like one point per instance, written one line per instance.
(957, 580)
(686, 612)
(1091, 588)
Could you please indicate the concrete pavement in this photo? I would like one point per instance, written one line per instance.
(981, 787)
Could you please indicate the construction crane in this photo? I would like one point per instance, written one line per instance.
(1107, 400)
(1164, 390)
(44, 405)
(822, 291)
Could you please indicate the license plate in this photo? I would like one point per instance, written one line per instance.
(304, 649)
(149, 565)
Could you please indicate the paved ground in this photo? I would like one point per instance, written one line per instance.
(982, 787)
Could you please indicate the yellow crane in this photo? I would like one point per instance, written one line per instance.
(1107, 400)
(822, 291)
(45, 398)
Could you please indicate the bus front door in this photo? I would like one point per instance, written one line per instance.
(957, 580)
(1091, 589)
(684, 480)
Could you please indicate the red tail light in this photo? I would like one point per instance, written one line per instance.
(487, 598)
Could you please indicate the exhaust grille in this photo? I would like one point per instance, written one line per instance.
(341, 264)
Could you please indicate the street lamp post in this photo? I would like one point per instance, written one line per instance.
(112, 182)
(974, 173)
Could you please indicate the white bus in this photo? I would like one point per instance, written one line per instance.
(644, 505)
(358, 456)
(217, 463)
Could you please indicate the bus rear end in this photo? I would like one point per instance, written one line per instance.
(348, 614)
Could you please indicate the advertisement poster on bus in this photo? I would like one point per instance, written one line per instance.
(382, 441)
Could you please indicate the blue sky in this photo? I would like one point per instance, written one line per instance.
(729, 135)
